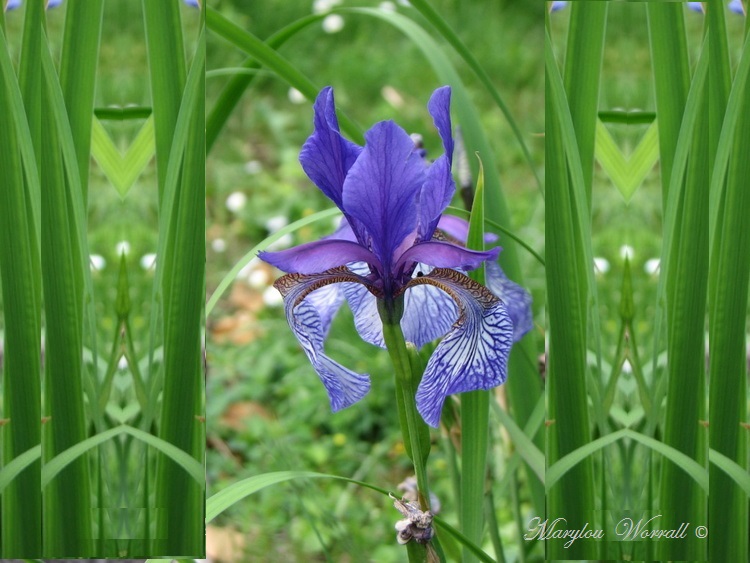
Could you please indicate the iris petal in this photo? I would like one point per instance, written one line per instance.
(458, 229)
(326, 156)
(474, 355)
(516, 299)
(446, 255)
(428, 313)
(436, 194)
(737, 7)
(439, 107)
(345, 387)
(317, 256)
(381, 189)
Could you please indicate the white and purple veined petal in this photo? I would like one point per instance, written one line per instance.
(515, 298)
(474, 355)
(344, 386)
(429, 313)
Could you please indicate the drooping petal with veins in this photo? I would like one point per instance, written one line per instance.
(345, 387)
(515, 298)
(474, 355)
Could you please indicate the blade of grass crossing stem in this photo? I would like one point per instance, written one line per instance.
(573, 497)
(180, 521)
(583, 62)
(78, 62)
(669, 59)
(166, 63)
(475, 411)
(434, 17)
(686, 292)
(271, 59)
(67, 509)
(21, 289)
(234, 89)
(728, 512)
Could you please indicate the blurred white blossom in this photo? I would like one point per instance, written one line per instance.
(219, 245)
(651, 266)
(626, 251)
(333, 23)
(148, 261)
(97, 262)
(236, 201)
(601, 265)
(276, 223)
(122, 247)
(296, 97)
(323, 6)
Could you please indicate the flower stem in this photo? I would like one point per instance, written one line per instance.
(413, 428)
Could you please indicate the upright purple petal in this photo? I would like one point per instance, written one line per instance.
(318, 256)
(515, 298)
(381, 189)
(474, 355)
(446, 255)
(326, 156)
(345, 387)
(439, 107)
(436, 194)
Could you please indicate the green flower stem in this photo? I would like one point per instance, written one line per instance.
(416, 434)
(413, 428)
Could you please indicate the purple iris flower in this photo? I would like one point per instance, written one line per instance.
(386, 257)
(558, 5)
(12, 5)
(696, 6)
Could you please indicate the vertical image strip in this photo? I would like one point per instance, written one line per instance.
(20, 278)
(729, 126)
